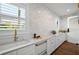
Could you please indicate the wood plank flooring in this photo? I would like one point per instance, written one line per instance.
(67, 49)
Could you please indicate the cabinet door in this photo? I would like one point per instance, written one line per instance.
(54, 42)
(51, 45)
(28, 50)
(41, 48)
(61, 38)
(11, 53)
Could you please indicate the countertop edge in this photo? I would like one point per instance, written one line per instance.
(23, 45)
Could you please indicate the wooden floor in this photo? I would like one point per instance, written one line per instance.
(67, 49)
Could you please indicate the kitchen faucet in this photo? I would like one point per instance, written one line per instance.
(15, 35)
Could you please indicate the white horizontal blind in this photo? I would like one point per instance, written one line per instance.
(9, 17)
(9, 10)
(22, 13)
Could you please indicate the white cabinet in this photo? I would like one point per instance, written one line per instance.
(51, 45)
(27, 50)
(55, 42)
(44, 47)
(41, 48)
(61, 38)
(11, 53)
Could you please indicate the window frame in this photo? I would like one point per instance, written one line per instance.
(19, 19)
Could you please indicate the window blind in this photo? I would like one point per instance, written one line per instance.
(11, 17)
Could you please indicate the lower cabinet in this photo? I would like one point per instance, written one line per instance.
(51, 45)
(11, 53)
(55, 42)
(27, 50)
(41, 48)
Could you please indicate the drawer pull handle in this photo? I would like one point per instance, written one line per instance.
(40, 43)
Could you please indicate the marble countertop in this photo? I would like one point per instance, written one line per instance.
(13, 46)
(41, 39)
(16, 45)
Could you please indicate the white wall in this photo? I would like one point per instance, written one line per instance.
(7, 36)
(42, 21)
(63, 23)
(73, 35)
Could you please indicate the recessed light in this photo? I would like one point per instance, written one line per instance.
(39, 11)
(68, 10)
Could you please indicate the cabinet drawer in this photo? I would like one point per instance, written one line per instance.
(11, 53)
(28, 50)
(50, 46)
(40, 48)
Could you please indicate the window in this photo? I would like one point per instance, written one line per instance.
(11, 17)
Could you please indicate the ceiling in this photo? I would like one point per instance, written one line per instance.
(61, 9)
